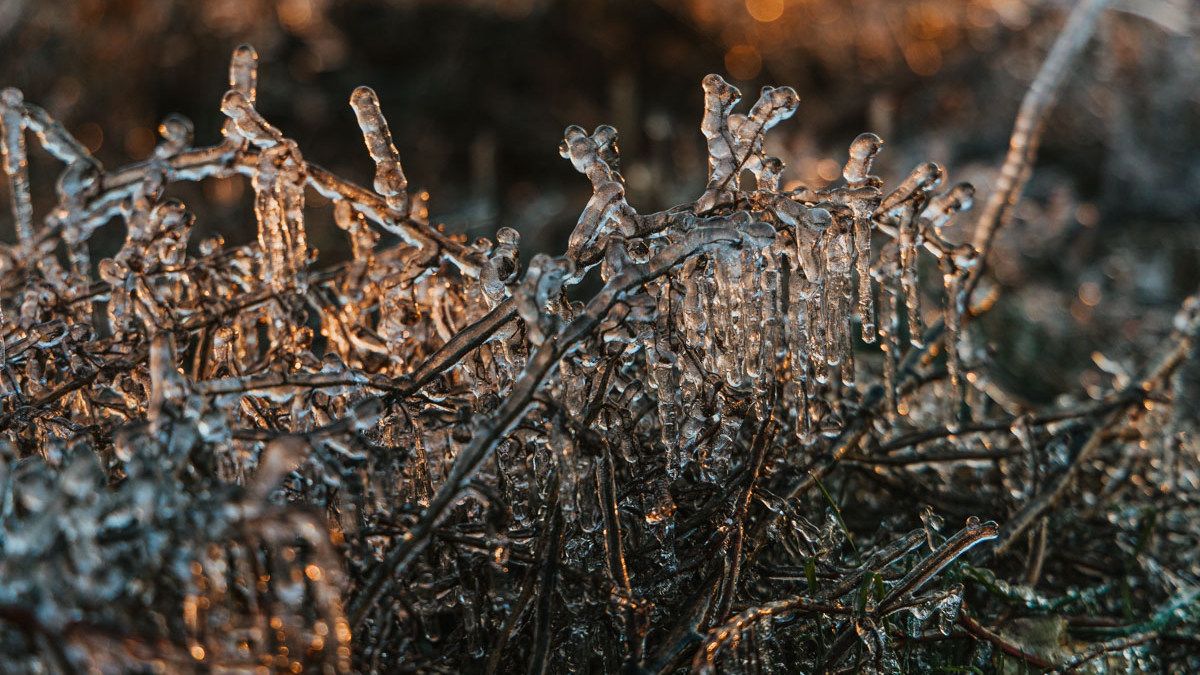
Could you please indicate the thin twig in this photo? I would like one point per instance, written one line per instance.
(1027, 131)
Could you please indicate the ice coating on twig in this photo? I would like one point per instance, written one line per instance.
(243, 78)
(176, 132)
(542, 285)
(278, 189)
(502, 266)
(734, 140)
(596, 157)
(249, 123)
(16, 166)
(390, 182)
(863, 150)
(953, 277)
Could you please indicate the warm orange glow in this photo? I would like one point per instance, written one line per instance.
(765, 10)
(923, 57)
(139, 142)
(743, 62)
(828, 170)
(91, 135)
(296, 15)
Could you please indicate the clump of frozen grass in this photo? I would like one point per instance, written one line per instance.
(738, 454)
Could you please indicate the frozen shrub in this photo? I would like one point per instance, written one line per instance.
(767, 442)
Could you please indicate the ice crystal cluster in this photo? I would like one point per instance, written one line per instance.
(767, 442)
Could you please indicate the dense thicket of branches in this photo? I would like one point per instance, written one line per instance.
(765, 440)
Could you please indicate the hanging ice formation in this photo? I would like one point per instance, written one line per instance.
(279, 181)
(782, 314)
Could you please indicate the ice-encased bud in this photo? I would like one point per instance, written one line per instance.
(248, 123)
(502, 265)
(863, 150)
(943, 206)
(774, 105)
(176, 132)
(243, 72)
(924, 178)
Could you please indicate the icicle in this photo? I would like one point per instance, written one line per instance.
(243, 78)
(16, 166)
(729, 273)
(692, 314)
(837, 294)
(718, 457)
(909, 249)
(762, 321)
(812, 238)
(278, 184)
(167, 386)
(362, 237)
(269, 215)
(663, 375)
(953, 279)
(901, 207)
(390, 181)
(862, 266)
(808, 234)
(290, 188)
(796, 329)
(889, 326)
(862, 196)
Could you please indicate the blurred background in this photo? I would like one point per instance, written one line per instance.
(477, 92)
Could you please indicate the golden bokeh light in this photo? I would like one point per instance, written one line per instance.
(743, 62)
(765, 11)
